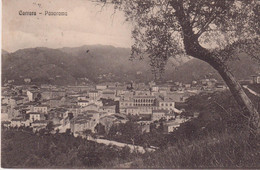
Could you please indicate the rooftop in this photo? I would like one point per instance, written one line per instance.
(160, 111)
(34, 113)
(153, 97)
(83, 101)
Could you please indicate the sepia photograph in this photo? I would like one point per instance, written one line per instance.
(130, 84)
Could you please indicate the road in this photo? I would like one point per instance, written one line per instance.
(251, 91)
(139, 149)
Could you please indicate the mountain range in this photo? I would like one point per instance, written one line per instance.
(98, 63)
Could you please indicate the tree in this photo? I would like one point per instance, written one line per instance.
(214, 31)
(88, 132)
(20, 92)
(68, 132)
(100, 129)
(50, 127)
(38, 97)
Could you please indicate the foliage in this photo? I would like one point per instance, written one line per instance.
(38, 97)
(50, 127)
(24, 149)
(100, 129)
(161, 27)
(124, 132)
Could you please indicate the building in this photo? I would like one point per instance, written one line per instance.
(82, 123)
(17, 122)
(166, 104)
(93, 95)
(17, 101)
(209, 82)
(155, 88)
(41, 109)
(57, 102)
(179, 97)
(91, 106)
(81, 97)
(58, 113)
(83, 103)
(256, 79)
(39, 124)
(95, 115)
(10, 81)
(58, 93)
(108, 121)
(101, 86)
(4, 116)
(131, 110)
(46, 94)
(32, 95)
(108, 95)
(170, 126)
(144, 100)
(108, 109)
(137, 105)
(33, 116)
(158, 114)
(27, 80)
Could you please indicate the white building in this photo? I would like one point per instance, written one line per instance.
(256, 79)
(167, 105)
(34, 116)
(101, 86)
(94, 95)
(170, 126)
(30, 95)
(27, 80)
(83, 103)
(40, 109)
(158, 114)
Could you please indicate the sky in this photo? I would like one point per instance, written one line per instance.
(86, 23)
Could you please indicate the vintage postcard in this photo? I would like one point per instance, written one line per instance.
(134, 84)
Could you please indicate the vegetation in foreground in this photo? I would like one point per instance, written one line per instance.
(23, 149)
(222, 150)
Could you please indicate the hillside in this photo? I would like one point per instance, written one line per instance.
(242, 68)
(64, 66)
(97, 63)
(4, 52)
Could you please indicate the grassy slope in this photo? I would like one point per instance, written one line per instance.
(213, 151)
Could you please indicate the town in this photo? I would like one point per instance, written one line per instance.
(80, 108)
(84, 110)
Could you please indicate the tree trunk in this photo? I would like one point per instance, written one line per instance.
(197, 51)
(240, 96)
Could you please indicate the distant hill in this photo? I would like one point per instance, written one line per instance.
(195, 69)
(97, 63)
(4, 52)
(68, 65)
